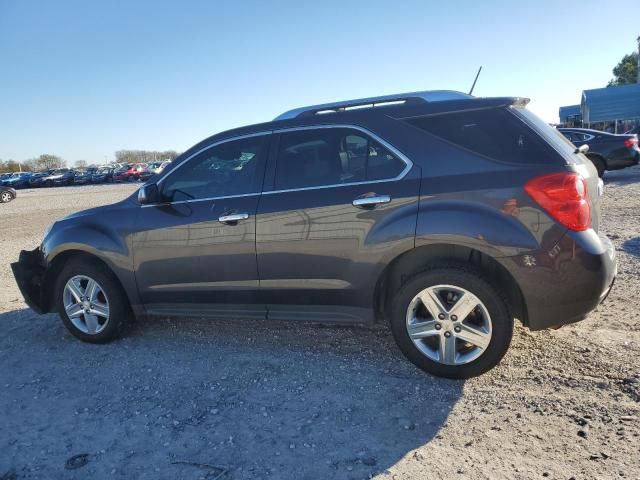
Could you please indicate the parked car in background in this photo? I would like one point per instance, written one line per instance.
(446, 215)
(4, 176)
(84, 176)
(138, 171)
(17, 180)
(144, 173)
(607, 151)
(59, 176)
(122, 174)
(102, 175)
(634, 131)
(6, 194)
(157, 167)
(38, 178)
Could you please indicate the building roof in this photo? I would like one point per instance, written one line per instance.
(569, 111)
(611, 103)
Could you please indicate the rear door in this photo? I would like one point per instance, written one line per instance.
(341, 203)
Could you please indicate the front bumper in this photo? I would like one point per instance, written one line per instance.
(564, 285)
(29, 274)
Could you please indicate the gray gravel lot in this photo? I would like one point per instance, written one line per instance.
(191, 399)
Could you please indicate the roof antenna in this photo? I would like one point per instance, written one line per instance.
(474, 82)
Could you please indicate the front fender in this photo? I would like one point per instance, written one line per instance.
(98, 237)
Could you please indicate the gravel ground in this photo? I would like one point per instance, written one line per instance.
(187, 399)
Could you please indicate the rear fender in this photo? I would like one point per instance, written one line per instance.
(498, 233)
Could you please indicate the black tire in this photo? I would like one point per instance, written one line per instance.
(471, 280)
(598, 163)
(119, 308)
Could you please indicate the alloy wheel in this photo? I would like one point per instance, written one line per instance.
(448, 324)
(86, 304)
(6, 197)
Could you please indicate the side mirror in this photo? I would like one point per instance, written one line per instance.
(148, 194)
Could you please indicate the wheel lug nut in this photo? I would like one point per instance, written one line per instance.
(447, 334)
(438, 326)
(454, 317)
(458, 329)
(441, 316)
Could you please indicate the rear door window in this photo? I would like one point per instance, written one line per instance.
(332, 156)
(495, 133)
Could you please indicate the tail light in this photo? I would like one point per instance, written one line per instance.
(631, 142)
(564, 197)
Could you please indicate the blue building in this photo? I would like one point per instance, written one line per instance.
(615, 109)
(571, 114)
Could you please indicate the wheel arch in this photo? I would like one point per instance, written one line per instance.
(598, 156)
(58, 263)
(418, 259)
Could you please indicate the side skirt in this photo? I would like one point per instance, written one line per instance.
(326, 314)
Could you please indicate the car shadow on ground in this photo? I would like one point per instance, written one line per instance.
(179, 398)
(623, 177)
(632, 246)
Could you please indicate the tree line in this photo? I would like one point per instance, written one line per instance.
(48, 161)
(626, 71)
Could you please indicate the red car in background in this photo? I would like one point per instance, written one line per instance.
(132, 172)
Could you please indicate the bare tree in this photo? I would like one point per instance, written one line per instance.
(81, 164)
(144, 156)
(45, 162)
(13, 166)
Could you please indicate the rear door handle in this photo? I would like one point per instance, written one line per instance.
(370, 202)
(233, 217)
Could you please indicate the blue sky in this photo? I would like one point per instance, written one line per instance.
(82, 79)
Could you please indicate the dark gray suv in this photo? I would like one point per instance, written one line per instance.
(444, 214)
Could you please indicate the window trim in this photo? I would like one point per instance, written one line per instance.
(204, 149)
(588, 136)
(408, 163)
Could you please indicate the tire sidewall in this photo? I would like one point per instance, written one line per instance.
(501, 320)
(118, 306)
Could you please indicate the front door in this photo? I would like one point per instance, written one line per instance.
(341, 206)
(194, 253)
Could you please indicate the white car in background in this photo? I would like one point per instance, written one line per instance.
(157, 167)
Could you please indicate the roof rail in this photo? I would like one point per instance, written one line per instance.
(426, 96)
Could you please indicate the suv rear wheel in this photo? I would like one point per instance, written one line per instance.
(5, 197)
(450, 322)
(91, 302)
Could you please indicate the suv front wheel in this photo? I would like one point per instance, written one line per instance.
(450, 322)
(90, 301)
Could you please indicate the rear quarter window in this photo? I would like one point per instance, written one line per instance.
(496, 133)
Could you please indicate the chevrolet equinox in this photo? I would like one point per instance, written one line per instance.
(446, 215)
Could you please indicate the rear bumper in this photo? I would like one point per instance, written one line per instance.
(565, 284)
(29, 273)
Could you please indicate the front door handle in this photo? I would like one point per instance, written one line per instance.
(371, 202)
(233, 217)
